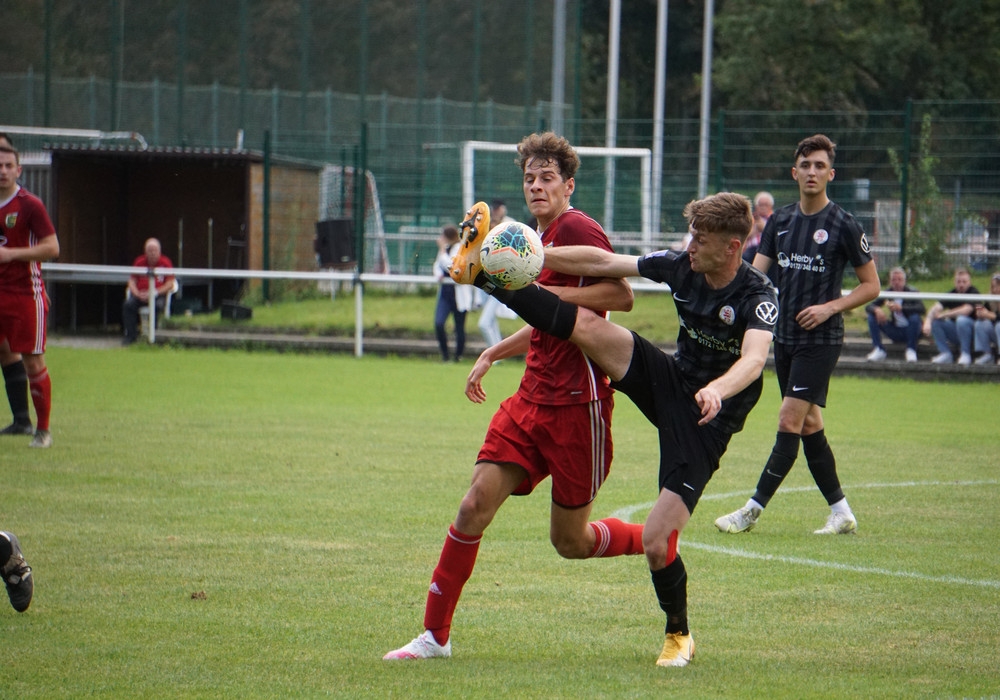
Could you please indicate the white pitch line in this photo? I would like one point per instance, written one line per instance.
(627, 512)
(985, 583)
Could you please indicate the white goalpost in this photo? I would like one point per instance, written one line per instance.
(644, 155)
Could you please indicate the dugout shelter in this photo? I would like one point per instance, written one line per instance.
(206, 206)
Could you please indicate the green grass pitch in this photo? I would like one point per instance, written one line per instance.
(216, 524)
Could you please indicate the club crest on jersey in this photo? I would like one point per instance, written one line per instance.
(727, 315)
(821, 236)
(10, 220)
(767, 312)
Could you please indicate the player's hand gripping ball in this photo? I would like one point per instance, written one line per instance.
(512, 255)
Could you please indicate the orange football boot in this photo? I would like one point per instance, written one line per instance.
(472, 232)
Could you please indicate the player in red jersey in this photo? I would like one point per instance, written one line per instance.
(27, 238)
(557, 424)
(15, 378)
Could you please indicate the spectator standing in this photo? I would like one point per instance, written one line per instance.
(812, 241)
(27, 238)
(900, 320)
(951, 323)
(452, 300)
(987, 325)
(763, 207)
(138, 288)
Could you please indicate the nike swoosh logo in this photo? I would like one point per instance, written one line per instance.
(782, 233)
(771, 473)
(681, 299)
(799, 388)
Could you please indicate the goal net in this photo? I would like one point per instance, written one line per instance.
(337, 192)
(612, 185)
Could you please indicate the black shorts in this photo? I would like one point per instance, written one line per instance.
(804, 371)
(689, 453)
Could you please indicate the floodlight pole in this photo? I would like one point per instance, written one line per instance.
(558, 64)
(659, 99)
(611, 127)
(706, 98)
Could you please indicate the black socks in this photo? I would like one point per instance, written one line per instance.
(16, 382)
(540, 308)
(783, 454)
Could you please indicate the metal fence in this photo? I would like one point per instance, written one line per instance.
(413, 149)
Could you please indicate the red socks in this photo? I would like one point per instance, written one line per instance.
(41, 395)
(458, 557)
(615, 538)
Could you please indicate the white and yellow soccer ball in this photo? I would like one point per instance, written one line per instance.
(512, 255)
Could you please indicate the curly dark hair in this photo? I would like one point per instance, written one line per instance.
(550, 148)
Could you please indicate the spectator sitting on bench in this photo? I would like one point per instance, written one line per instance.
(987, 326)
(950, 323)
(138, 289)
(897, 319)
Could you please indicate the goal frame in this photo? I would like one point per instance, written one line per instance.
(644, 155)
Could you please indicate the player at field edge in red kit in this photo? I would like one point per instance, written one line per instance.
(15, 377)
(27, 238)
(557, 424)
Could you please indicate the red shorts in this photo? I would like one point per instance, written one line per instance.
(22, 323)
(570, 443)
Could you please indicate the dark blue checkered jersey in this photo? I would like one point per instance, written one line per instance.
(712, 324)
(810, 255)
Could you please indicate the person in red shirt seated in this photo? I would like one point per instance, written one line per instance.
(138, 289)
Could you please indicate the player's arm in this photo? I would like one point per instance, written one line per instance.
(609, 294)
(515, 344)
(762, 262)
(46, 249)
(867, 289)
(753, 356)
(590, 261)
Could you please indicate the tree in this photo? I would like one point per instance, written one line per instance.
(930, 219)
(855, 55)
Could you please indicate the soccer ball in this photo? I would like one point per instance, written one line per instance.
(512, 255)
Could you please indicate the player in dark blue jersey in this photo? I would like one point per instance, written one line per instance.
(696, 398)
(812, 242)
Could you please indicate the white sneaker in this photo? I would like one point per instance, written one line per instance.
(985, 359)
(911, 355)
(741, 520)
(43, 439)
(838, 524)
(423, 647)
(943, 358)
(876, 355)
(965, 359)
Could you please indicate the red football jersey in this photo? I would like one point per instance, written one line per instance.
(557, 372)
(142, 281)
(23, 223)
